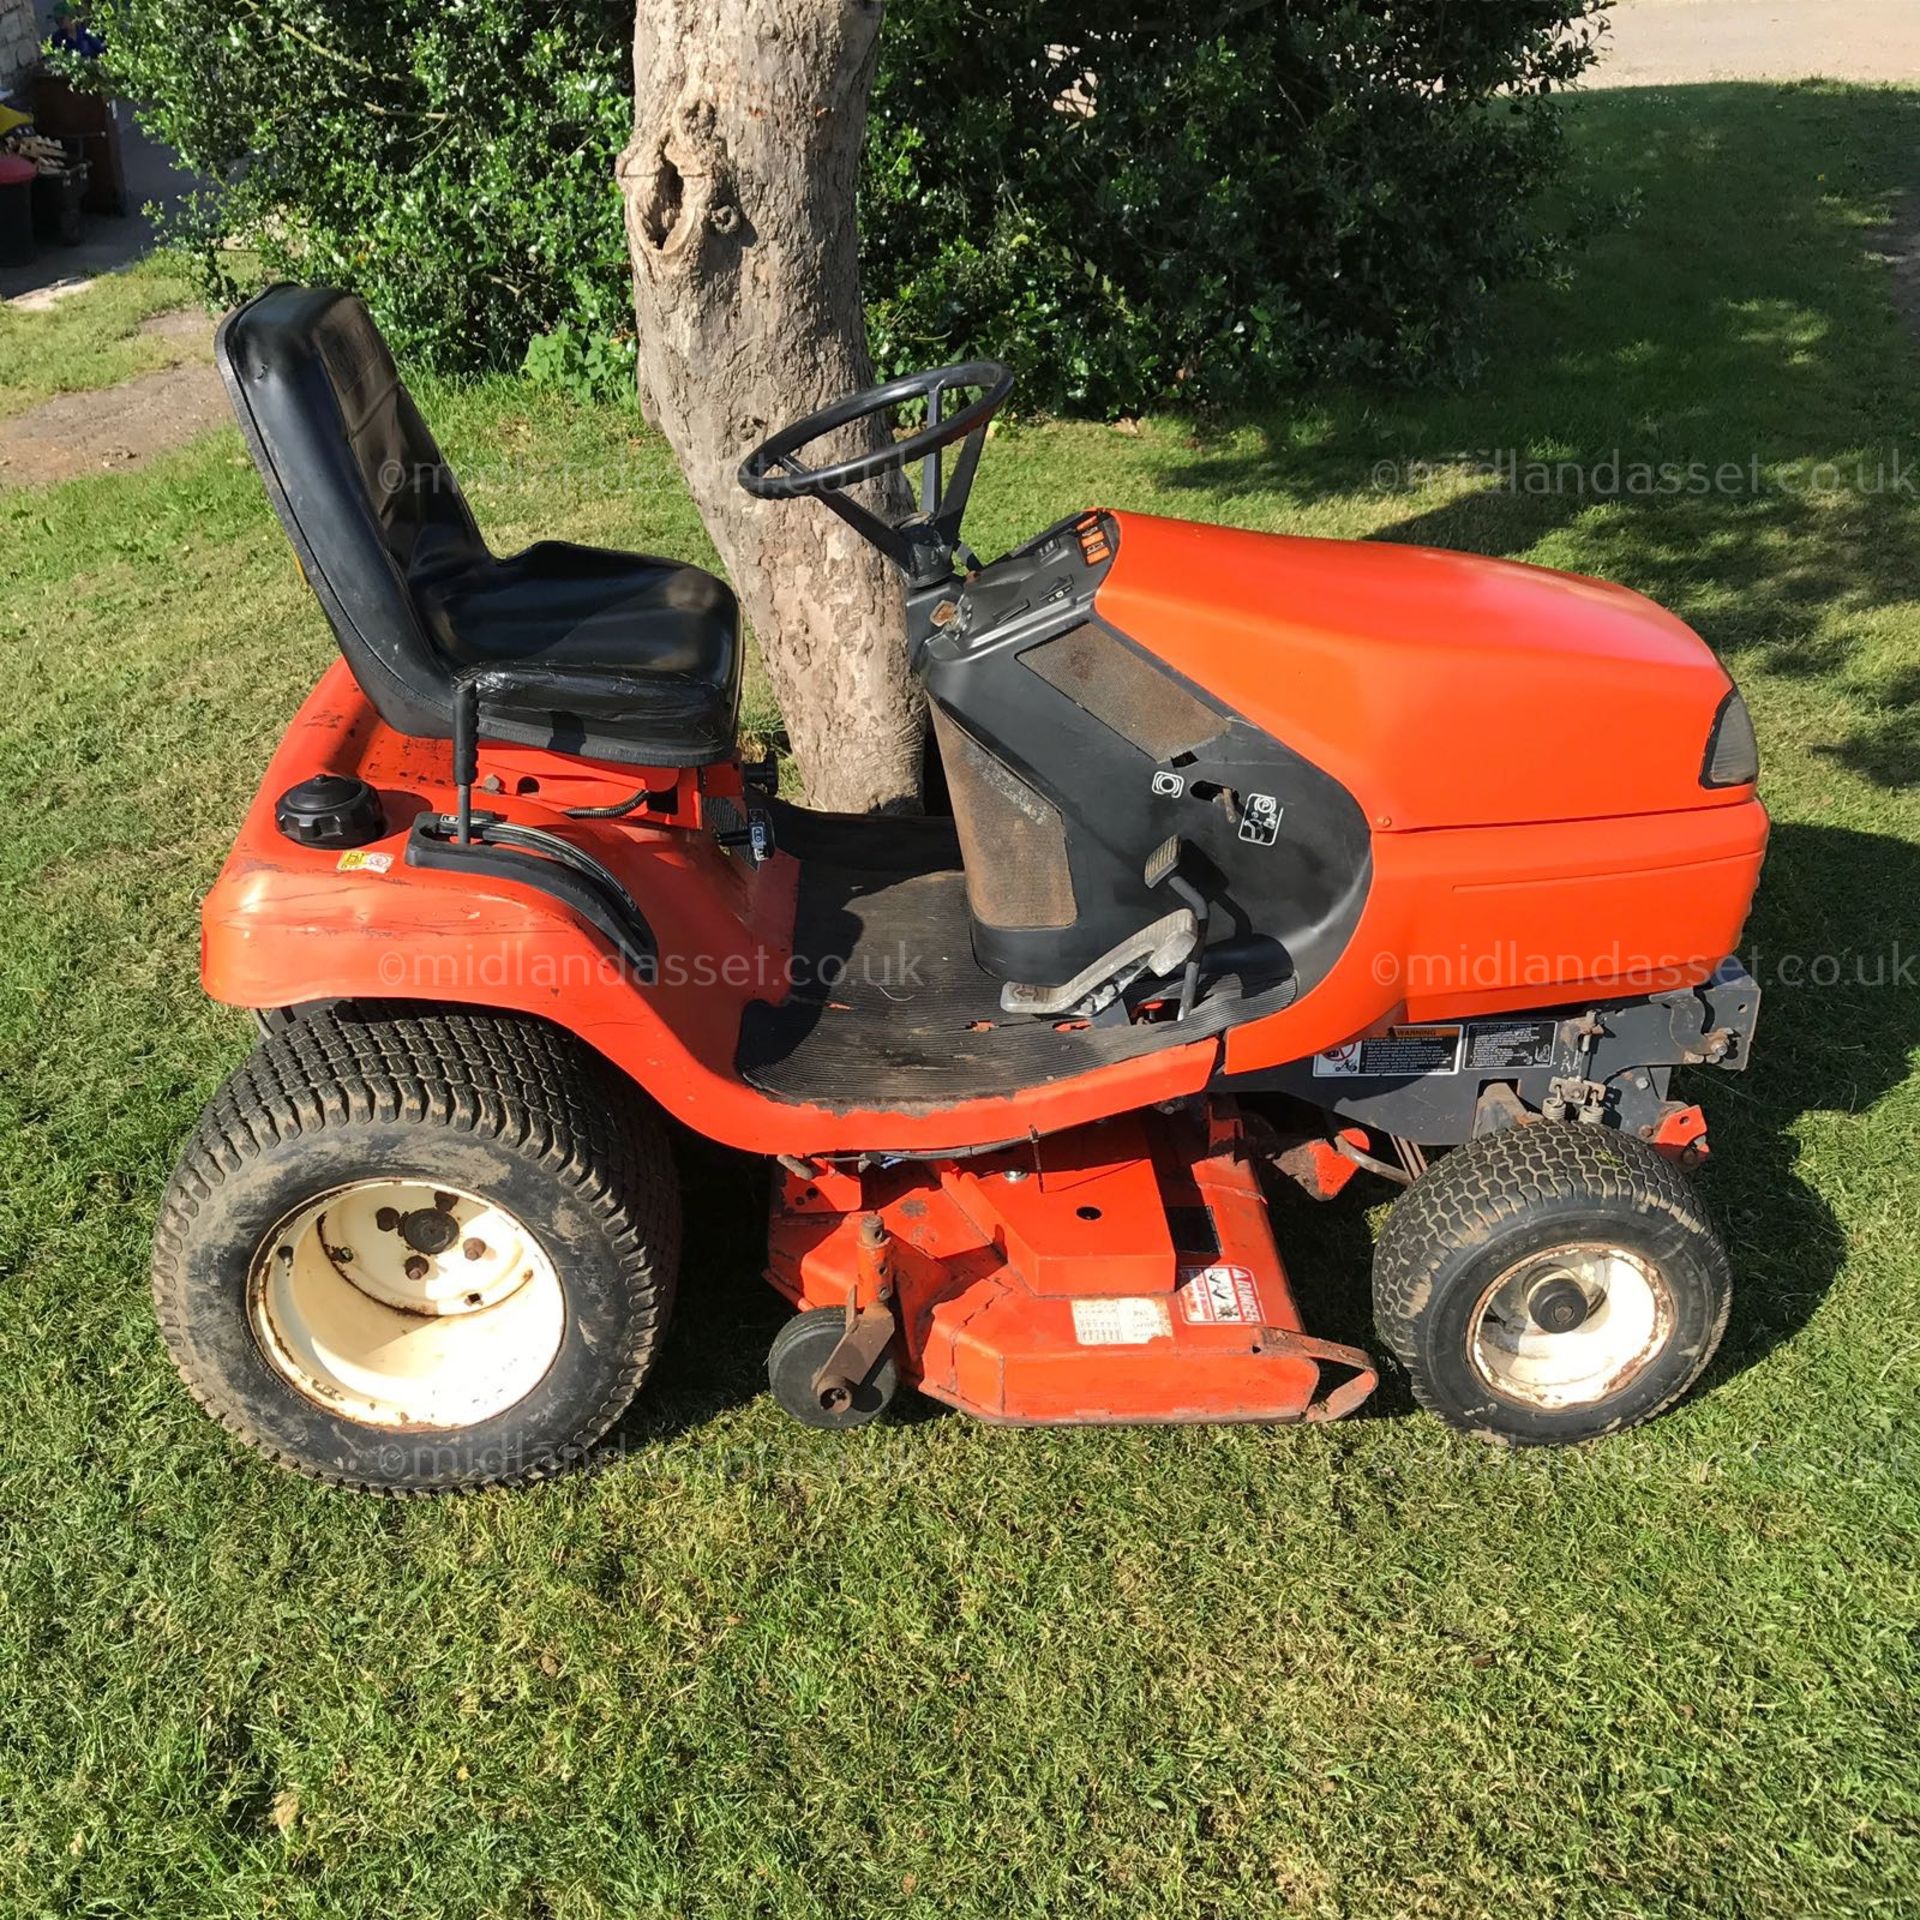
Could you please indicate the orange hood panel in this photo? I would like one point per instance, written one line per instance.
(1442, 689)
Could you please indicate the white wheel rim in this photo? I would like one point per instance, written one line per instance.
(1629, 1318)
(401, 1303)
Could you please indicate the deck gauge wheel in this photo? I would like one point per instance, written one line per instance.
(800, 1349)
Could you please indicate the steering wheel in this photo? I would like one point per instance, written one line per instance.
(771, 472)
(921, 547)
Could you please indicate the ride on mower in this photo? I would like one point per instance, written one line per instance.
(1271, 862)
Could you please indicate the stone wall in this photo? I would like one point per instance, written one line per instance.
(19, 42)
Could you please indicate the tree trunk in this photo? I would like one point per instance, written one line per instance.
(748, 120)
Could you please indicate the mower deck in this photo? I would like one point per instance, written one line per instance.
(889, 1008)
(1121, 1272)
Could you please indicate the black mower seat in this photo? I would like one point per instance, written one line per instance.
(641, 657)
(613, 655)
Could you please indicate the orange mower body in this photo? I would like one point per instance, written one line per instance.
(1263, 865)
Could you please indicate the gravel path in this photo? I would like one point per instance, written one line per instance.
(1679, 42)
(118, 429)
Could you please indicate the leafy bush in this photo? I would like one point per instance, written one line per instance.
(450, 159)
(1131, 204)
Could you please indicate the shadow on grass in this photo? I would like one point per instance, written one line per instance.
(1832, 942)
(725, 1315)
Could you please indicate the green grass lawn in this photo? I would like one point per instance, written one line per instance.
(933, 1668)
(91, 338)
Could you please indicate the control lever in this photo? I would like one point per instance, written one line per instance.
(1163, 870)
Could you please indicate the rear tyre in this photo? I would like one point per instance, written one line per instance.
(1545, 1284)
(419, 1252)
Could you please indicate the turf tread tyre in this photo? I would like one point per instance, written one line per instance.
(505, 1083)
(1447, 1224)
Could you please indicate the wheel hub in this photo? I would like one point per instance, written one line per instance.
(1557, 1304)
(399, 1304)
(427, 1230)
(1571, 1326)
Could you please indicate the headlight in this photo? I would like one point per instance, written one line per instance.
(1733, 757)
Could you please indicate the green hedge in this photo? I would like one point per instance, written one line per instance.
(1159, 204)
(1260, 192)
(451, 159)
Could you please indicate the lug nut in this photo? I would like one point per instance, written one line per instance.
(445, 1202)
(474, 1249)
(418, 1266)
(387, 1219)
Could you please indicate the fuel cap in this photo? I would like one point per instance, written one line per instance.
(330, 810)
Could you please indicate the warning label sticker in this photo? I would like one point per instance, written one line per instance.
(1121, 1323)
(1218, 1296)
(361, 861)
(1400, 1051)
(1496, 1045)
(1260, 821)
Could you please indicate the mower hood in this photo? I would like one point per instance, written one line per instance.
(1442, 689)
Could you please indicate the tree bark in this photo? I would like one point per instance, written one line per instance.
(748, 121)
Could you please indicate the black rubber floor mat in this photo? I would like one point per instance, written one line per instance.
(889, 1011)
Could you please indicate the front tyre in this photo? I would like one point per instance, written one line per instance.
(419, 1252)
(1546, 1283)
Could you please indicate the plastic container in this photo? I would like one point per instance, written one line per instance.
(57, 200)
(16, 211)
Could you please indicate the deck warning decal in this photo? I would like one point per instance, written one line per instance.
(1495, 1046)
(1121, 1323)
(1218, 1296)
(1402, 1052)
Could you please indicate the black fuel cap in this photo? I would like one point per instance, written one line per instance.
(330, 810)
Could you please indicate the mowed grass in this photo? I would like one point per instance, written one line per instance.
(933, 1668)
(91, 338)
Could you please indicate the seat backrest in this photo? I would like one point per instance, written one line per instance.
(357, 481)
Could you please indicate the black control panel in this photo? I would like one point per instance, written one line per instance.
(1031, 591)
(1065, 715)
